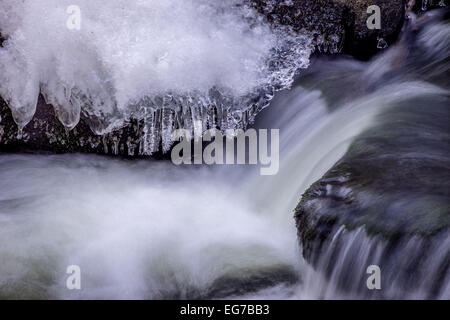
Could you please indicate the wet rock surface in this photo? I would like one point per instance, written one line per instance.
(45, 133)
(387, 201)
(364, 42)
(340, 25)
(392, 190)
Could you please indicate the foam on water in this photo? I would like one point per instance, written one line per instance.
(130, 58)
(151, 230)
(135, 231)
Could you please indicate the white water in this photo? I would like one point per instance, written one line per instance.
(153, 230)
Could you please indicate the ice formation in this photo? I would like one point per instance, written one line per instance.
(165, 63)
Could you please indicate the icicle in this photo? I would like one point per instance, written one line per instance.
(167, 129)
(150, 139)
(131, 147)
(115, 146)
(424, 5)
(105, 145)
(19, 133)
(197, 123)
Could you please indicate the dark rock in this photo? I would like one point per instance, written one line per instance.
(393, 183)
(45, 133)
(387, 201)
(339, 25)
(363, 42)
(419, 6)
(325, 19)
(250, 281)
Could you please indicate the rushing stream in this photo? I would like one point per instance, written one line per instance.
(150, 229)
(153, 230)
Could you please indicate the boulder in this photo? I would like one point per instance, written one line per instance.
(386, 202)
(339, 25)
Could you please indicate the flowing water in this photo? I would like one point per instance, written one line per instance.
(149, 229)
(153, 230)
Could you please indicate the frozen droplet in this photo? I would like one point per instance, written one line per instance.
(382, 44)
(19, 133)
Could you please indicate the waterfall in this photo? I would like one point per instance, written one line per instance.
(149, 229)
